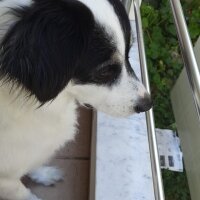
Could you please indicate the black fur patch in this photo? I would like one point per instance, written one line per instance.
(124, 21)
(126, 27)
(100, 49)
(54, 42)
(41, 51)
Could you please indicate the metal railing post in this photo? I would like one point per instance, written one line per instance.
(155, 162)
(127, 5)
(187, 51)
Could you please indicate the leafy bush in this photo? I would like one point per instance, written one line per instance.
(165, 64)
(163, 60)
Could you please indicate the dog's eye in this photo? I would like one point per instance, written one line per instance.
(108, 73)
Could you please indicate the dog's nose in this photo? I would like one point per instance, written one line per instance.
(144, 104)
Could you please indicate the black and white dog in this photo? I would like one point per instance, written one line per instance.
(53, 54)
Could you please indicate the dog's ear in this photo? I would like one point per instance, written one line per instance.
(41, 51)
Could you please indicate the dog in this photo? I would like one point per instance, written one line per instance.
(55, 55)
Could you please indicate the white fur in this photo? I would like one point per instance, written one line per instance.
(119, 100)
(13, 189)
(46, 175)
(32, 135)
(35, 133)
(103, 11)
(29, 137)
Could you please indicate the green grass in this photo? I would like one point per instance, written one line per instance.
(165, 65)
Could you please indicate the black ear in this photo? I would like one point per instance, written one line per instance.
(41, 51)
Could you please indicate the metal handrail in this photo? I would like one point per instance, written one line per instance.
(127, 4)
(154, 155)
(187, 51)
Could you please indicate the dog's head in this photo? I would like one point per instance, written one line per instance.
(80, 46)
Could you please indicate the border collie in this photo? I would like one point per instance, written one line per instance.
(54, 55)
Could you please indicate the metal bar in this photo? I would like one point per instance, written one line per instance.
(187, 51)
(155, 162)
(127, 4)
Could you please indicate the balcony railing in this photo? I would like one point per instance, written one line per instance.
(193, 72)
(155, 163)
(187, 51)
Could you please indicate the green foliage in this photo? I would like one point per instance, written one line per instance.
(192, 12)
(176, 187)
(163, 60)
(165, 64)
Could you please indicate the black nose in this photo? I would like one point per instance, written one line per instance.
(144, 104)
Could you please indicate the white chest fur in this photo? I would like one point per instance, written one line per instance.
(29, 136)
